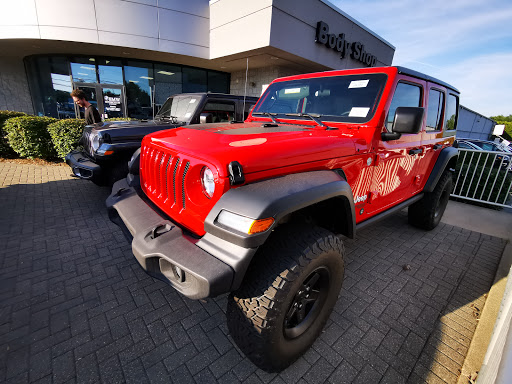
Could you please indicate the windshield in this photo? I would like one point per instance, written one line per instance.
(179, 108)
(351, 98)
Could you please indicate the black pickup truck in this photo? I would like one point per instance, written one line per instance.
(108, 146)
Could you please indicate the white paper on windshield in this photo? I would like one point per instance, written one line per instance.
(188, 114)
(359, 84)
(192, 101)
(292, 90)
(358, 112)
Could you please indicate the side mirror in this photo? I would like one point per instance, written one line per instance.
(407, 120)
(205, 118)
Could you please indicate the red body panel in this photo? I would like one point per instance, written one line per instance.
(381, 174)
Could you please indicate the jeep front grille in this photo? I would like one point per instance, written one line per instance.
(164, 177)
(86, 140)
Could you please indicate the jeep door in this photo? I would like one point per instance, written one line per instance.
(441, 118)
(397, 162)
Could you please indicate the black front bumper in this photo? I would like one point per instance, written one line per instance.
(164, 250)
(83, 167)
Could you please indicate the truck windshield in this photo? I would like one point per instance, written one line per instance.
(350, 98)
(179, 108)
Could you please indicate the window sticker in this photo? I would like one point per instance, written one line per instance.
(359, 83)
(358, 112)
(292, 90)
(192, 101)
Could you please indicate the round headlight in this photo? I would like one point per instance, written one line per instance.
(95, 142)
(207, 181)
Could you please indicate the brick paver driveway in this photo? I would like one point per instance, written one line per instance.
(76, 307)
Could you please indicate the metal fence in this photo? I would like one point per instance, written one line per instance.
(484, 176)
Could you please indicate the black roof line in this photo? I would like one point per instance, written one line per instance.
(419, 75)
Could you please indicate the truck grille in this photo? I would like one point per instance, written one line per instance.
(86, 141)
(163, 176)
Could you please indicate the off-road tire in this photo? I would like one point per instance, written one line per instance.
(297, 265)
(427, 212)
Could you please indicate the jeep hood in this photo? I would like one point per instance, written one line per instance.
(123, 130)
(257, 147)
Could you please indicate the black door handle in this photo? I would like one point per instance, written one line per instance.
(437, 146)
(415, 151)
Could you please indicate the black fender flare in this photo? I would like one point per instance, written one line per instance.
(277, 198)
(447, 155)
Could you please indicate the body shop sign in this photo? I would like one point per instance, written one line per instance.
(341, 45)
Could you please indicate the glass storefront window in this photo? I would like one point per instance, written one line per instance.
(110, 71)
(83, 72)
(194, 80)
(218, 82)
(168, 82)
(139, 78)
(144, 85)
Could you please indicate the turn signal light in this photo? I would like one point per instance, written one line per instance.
(260, 225)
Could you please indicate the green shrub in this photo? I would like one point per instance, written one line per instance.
(65, 135)
(28, 136)
(5, 148)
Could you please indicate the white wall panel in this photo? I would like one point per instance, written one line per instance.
(241, 35)
(126, 17)
(226, 11)
(123, 40)
(184, 49)
(185, 28)
(195, 7)
(19, 32)
(78, 14)
(70, 34)
(18, 12)
(146, 2)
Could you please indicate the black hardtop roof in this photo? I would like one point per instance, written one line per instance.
(217, 95)
(419, 75)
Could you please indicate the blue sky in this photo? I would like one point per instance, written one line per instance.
(467, 43)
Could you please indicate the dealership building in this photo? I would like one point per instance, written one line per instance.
(129, 56)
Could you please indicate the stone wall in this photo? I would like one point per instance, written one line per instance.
(14, 91)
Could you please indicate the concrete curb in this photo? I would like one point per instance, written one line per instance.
(486, 347)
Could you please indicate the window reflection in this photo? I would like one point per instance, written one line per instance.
(83, 73)
(139, 81)
(147, 85)
(194, 80)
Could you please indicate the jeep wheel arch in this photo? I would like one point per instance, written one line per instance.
(447, 159)
(280, 197)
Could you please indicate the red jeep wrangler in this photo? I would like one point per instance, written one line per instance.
(257, 208)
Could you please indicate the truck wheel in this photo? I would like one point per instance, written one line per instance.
(427, 212)
(287, 295)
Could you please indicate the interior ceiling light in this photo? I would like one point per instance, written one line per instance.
(166, 73)
(88, 68)
(92, 59)
(145, 77)
(134, 81)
